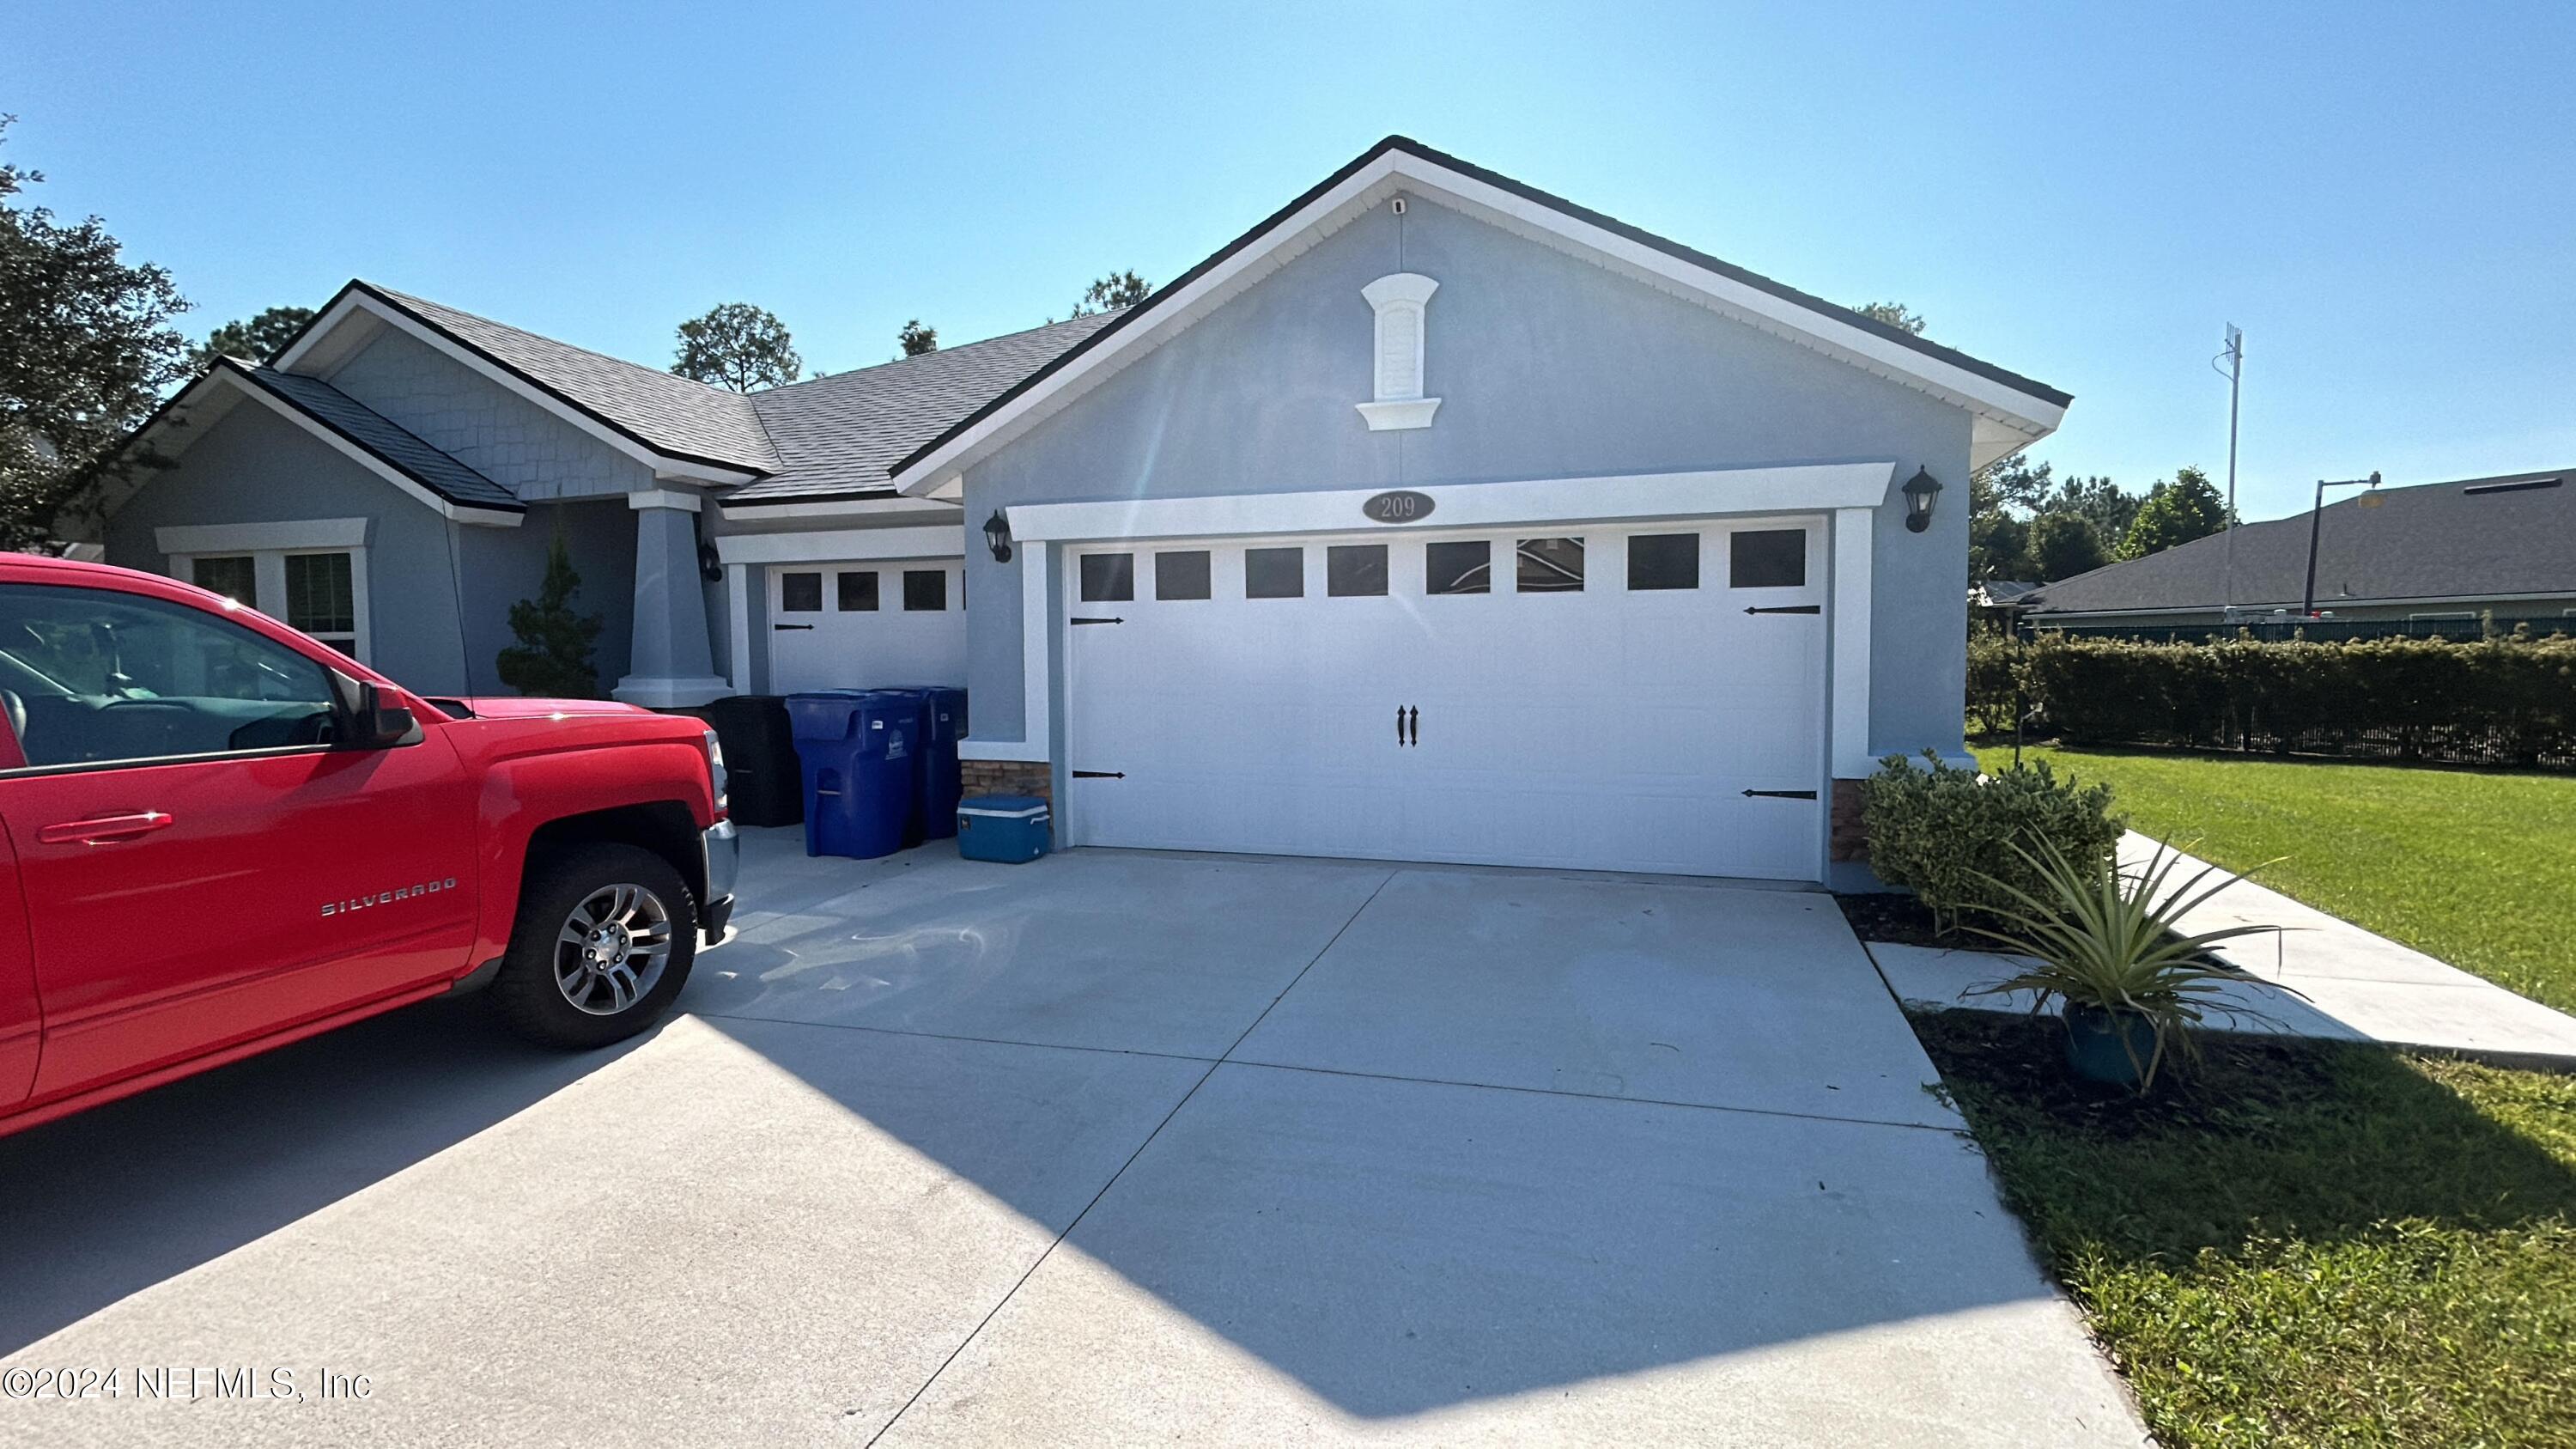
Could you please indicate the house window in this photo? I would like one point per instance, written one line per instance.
(233, 575)
(1181, 575)
(800, 593)
(322, 598)
(322, 592)
(1551, 565)
(1458, 568)
(925, 591)
(857, 591)
(1355, 570)
(1663, 561)
(1108, 578)
(1274, 573)
(1766, 558)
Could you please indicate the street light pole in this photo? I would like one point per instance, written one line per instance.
(2316, 517)
(2235, 355)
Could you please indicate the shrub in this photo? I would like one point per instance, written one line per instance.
(553, 656)
(2510, 698)
(1963, 841)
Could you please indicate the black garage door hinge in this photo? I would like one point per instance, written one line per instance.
(1784, 794)
(783, 628)
(1079, 620)
(1786, 609)
(1100, 774)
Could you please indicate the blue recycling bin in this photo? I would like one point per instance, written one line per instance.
(936, 786)
(854, 749)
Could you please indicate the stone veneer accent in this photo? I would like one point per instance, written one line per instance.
(1847, 838)
(1008, 777)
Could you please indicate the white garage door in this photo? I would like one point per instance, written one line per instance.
(867, 625)
(1647, 699)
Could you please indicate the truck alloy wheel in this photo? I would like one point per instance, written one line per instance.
(612, 948)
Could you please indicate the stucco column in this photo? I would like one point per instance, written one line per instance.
(672, 664)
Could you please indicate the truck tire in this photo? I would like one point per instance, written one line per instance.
(602, 945)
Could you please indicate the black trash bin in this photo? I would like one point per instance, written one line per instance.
(760, 758)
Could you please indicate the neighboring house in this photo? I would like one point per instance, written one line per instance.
(1434, 518)
(2438, 553)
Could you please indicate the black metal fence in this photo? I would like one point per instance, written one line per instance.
(2315, 631)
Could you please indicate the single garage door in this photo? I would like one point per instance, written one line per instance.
(1645, 699)
(867, 625)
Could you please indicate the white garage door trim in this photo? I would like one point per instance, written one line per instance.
(1850, 492)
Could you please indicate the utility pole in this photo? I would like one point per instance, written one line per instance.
(2234, 356)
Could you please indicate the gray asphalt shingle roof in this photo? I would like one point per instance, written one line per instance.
(672, 415)
(438, 472)
(838, 435)
(2433, 541)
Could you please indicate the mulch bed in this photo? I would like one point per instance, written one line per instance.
(1904, 919)
(2236, 1081)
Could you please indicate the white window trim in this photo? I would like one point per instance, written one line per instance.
(268, 554)
(1401, 299)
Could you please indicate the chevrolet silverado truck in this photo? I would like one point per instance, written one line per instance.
(220, 835)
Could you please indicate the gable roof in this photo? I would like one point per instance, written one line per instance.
(670, 416)
(400, 457)
(2475, 538)
(2013, 410)
(838, 436)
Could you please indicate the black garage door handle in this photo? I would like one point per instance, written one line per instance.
(1784, 794)
(784, 627)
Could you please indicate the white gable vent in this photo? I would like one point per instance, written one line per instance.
(1399, 300)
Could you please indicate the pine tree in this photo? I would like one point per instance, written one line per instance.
(553, 656)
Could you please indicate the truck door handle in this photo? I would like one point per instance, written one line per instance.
(105, 829)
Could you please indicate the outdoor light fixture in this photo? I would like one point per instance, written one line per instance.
(997, 535)
(1920, 490)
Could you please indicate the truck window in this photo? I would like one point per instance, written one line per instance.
(100, 677)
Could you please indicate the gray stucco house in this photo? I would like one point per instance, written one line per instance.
(2438, 557)
(1433, 518)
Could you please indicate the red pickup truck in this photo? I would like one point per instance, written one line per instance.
(220, 836)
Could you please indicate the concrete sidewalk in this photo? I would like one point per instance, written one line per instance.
(2359, 986)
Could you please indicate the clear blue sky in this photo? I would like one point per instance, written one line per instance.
(2385, 199)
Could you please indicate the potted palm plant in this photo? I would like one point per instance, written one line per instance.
(2105, 945)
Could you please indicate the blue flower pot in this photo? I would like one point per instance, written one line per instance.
(2113, 1047)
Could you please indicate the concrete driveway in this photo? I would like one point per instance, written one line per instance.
(1108, 1148)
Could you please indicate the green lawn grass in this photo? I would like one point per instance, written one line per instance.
(2474, 868)
(2299, 1243)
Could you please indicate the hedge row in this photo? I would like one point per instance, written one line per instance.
(2509, 700)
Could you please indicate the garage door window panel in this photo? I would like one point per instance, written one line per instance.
(925, 591)
(1663, 561)
(1767, 558)
(857, 591)
(1182, 575)
(1355, 570)
(1550, 565)
(1274, 573)
(800, 593)
(1459, 568)
(1108, 578)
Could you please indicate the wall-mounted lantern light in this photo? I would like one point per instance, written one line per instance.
(997, 536)
(1920, 490)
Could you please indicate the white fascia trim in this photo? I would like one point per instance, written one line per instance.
(663, 466)
(894, 507)
(456, 512)
(228, 538)
(1397, 170)
(843, 545)
(1808, 488)
(644, 498)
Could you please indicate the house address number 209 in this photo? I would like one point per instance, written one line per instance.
(1401, 506)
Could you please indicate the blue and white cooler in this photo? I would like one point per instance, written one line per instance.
(1010, 829)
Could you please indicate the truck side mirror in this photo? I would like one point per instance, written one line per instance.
(375, 725)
